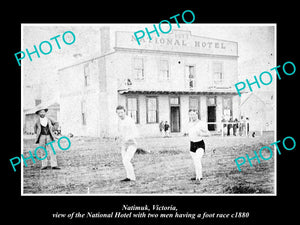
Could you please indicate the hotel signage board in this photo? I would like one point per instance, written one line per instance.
(178, 41)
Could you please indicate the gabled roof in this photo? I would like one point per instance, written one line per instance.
(262, 98)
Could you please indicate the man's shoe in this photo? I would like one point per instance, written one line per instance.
(194, 178)
(44, 168)
(125, 180)
(55, 168)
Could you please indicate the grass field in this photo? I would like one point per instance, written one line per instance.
(94, 166)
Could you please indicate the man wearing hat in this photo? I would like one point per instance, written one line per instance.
(43, 129)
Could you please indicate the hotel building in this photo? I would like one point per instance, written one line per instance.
(159, 80)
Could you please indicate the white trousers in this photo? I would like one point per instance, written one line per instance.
(197, 159)
(44, 139)
(127, 155)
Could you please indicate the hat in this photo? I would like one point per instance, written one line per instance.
(40, 108)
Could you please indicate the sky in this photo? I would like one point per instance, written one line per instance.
(256, 51)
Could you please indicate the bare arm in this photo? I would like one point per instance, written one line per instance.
(205, 133)
(35, 128)
(204, 130)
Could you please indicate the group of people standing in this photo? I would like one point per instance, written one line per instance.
(164, 129)
(235, 127)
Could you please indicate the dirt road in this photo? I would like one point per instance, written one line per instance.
(94, 166)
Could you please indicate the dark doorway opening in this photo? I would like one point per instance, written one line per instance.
(211, 117)
(175, 118)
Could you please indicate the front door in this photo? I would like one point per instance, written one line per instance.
(175, 118)
(211, 117)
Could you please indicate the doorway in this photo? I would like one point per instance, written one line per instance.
(175, 118)
(211, 117)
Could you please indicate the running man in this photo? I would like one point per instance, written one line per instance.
(127, 134)
(197, 129)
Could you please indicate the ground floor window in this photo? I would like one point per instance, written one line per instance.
(194, 104)
(83, 112)
(152, 110)
(227, 107)
(132, 108)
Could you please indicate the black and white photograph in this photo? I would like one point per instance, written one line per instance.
(145, 114)
(170, 109)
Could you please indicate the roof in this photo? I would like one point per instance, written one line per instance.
(85, 61)
(263, 98)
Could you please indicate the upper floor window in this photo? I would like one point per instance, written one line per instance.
(164, 70)
(190, 75)
(218, 75)
(138, 68)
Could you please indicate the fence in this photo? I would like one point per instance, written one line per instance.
(244, 125)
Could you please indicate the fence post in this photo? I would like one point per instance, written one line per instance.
(222, 129)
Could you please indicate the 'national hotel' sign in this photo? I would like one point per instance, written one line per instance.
(178, 41)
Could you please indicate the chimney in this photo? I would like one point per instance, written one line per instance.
(105, 40)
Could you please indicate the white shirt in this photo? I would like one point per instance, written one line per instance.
(44, 121)
(127, 129)
(194, 130)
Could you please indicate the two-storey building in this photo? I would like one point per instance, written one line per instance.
(159, 80)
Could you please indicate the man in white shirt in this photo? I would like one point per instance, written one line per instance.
(127, 134)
